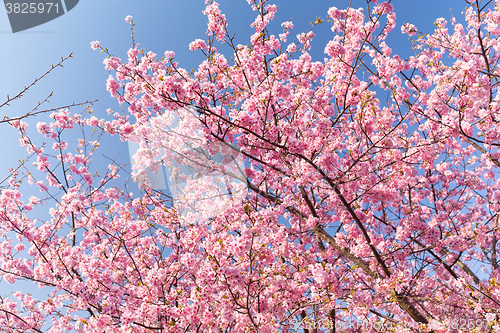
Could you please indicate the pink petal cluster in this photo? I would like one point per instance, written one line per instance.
(362, 189)
(334, 49)
(198, 44)
(216, 21)
(95, 45)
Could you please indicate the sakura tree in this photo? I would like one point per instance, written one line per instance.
(369, 196)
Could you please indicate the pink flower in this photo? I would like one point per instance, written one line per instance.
(291, 48)
(95, 45)
(287, 25)
(20, 247)
(334, 49)
(197, 44)
(216, 21)
(334, 13)
(409, 29)
(128, 19)
(383, 8)
(112, 86)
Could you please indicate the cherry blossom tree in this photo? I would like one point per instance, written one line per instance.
(369, 196)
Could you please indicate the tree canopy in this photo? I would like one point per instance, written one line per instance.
(357, 193)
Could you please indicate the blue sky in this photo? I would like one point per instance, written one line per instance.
(160, 25)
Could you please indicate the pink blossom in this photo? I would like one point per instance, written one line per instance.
(216, 21)
(334, 49)
(408, 28)
(383, 8)
(288, 25)
(112, 86)
(334, 13)
(197, 44)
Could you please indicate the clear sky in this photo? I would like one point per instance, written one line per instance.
(160, 25)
